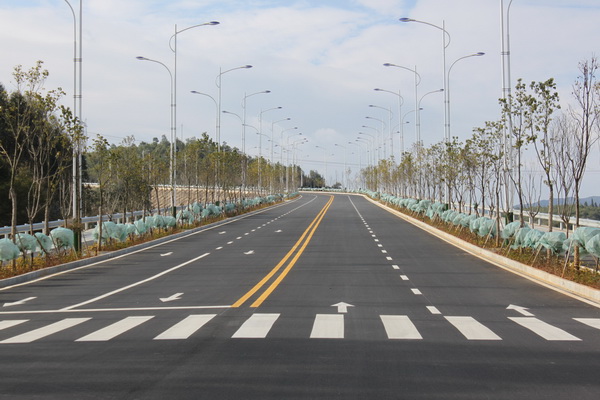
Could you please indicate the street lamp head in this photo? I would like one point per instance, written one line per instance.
(141, 58)
(377, 89)
(388, 65)
(213, 23)
(247, 66)
(267, 91)
(406, 19)
(481, 53)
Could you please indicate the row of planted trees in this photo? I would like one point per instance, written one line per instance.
(488, 171)
(133, 177)
(37, 139)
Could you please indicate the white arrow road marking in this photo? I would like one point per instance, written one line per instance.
(278, 231)
(249, 252)
(16, 303)
(166, 254)
(342, 307)
(521, 310)
(176, 296)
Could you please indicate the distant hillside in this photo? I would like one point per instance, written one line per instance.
(592, 200)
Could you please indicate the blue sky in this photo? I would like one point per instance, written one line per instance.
(320, 59)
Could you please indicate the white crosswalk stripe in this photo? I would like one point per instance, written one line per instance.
(543, 329)
(11, 323)
(258, 326)
(114, 330)
(186, 327)
(48, 330)
(399, 327)
(593, 322)
(472, 329)
(328, 326)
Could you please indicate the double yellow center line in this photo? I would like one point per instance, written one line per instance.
(296, 252)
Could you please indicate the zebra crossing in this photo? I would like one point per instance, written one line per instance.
(259, 326)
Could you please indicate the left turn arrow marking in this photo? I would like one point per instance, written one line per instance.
(174, 297)
(16, 303)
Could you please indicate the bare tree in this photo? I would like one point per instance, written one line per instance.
(586, 91)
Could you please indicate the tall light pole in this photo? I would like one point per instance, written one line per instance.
(419, 114)
(260, 144)
(344, 177)
(445, 44)
(173, 47)
(417, 82)
(379, 135)
(218, 82)
(400, 104)
(391, 114)
(506, 94)
(245, 166)
(479, 54)
(173, 137)
(243, 127)
(214, 101)
(77, 107)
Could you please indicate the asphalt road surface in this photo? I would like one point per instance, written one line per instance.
(324, 297)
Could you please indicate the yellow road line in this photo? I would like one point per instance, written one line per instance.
(287, 269)
(267, 277)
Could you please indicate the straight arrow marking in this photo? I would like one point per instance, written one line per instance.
(521, 310)
(176, 296)
(342, 307)
(16, 303)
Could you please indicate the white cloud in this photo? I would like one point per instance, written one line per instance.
(321, 60)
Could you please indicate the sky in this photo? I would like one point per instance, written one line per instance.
(321, 60)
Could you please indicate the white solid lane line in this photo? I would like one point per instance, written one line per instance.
(256, 327)
(400, 327)
(136, 283)
(472, 329)
(544, 329)
(115, 329)
(46, 330)
(186, 327)
(328, 326)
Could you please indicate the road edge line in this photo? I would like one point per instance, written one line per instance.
(575, 290)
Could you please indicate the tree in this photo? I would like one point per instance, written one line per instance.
(19, 115)
(517, 110)
(543, 102)
(586, 91)
(100, 168)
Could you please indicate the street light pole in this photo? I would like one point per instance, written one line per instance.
(174, 110)
(245, 158)
(391, 114)
(400, 104)
(173, 137)
(77, 107)
(218, 82)
(417, 82)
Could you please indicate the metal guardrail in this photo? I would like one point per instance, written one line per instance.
(86, 221)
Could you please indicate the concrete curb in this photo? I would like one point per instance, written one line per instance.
(573, 289)
(47, 272)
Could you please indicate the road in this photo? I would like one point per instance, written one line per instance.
(324, 297)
